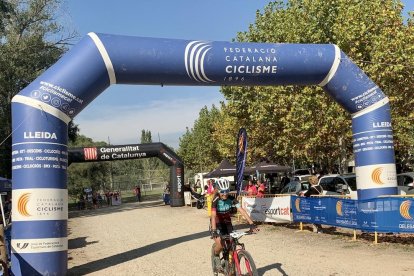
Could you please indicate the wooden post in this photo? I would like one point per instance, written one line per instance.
(375, 237)
(354, 238)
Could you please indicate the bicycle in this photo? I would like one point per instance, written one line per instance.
(234, 258)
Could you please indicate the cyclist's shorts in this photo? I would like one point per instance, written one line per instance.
(224, 228)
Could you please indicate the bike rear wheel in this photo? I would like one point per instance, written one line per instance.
(246, 264)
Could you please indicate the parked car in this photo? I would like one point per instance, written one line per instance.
(335, 184)
(295, 187)
(300, 172)
(405, 182)
(303, 177)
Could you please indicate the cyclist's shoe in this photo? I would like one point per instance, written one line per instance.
(217, 264)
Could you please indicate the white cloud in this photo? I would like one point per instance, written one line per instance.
(123, 124)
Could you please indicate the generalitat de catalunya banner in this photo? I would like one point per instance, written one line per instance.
(268, 209)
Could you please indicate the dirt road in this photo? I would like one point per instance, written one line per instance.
(149, 238)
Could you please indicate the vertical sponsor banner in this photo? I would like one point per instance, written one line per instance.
(40, 200)
(301, 208)
(241, 154)
(177, 189)
(268, 209)
(374, 153)
(371, 128)
(343, 213)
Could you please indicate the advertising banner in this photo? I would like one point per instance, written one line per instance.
(395, 215)
(268, 209)
(301, 208)
(241, 154)
(343, 212)
(367, 212)
(319, 210)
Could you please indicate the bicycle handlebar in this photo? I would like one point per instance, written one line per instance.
(236, 235)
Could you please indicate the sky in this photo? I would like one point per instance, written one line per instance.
(121, 112)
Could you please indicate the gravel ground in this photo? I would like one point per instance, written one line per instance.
(150, 238)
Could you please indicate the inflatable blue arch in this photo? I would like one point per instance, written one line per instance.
(43, 109)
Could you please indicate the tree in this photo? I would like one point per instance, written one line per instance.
(197, 146)
(302, 122)
(31, 40)
(151, 169)
(95, 175)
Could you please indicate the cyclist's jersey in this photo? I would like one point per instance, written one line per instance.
(223, 208)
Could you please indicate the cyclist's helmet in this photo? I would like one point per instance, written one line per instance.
(223, 186)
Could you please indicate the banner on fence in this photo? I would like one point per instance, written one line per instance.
(343, 212)
(268, 209)
(301, 208)
(387, 214)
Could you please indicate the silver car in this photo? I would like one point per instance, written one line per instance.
(405, 182)
(295, 187)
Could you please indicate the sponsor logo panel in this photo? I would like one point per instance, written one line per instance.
(376, 176)
(39, 245)
(339, 208)
(40, 204)
(405, 209)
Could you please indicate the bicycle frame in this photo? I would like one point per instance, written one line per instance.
(231, 247)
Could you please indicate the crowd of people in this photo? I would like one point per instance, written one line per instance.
(89, 199)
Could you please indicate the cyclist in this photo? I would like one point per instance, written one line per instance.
(221, 210)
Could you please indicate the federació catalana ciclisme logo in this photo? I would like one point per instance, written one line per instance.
(405, 209)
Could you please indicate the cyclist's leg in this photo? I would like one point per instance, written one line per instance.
(222, 230)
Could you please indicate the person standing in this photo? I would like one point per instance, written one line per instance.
(251, 189)
(314, 189)
(138, 193)
(261, 189)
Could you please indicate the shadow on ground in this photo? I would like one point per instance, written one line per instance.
(271, 268)
(116, 209)
(116, 259)
(79, 243)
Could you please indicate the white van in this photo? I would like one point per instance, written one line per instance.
(199, 177)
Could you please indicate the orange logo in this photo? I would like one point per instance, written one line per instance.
(22, 204)
(297, 205)
(376, 176)
(339, 208)
(241, 143)
(405, 209)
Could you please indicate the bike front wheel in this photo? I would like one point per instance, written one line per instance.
(246, 265)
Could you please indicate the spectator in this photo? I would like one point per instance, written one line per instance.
(284, 181)
(81, 202)
(94, 200)
(251, 189)
(205, 189)
(210, 189)
(314, 189)
(137, 192)
(261, 190)
(108, 197)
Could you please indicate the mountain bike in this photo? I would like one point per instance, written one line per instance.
(234, 259)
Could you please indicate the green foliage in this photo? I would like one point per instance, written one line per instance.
(302, 122)
(149, 170)
(96, 175)
(31, 40)
(198, 147)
